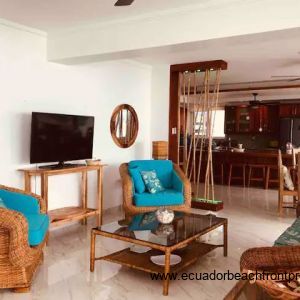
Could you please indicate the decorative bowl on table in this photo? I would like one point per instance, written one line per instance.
(164, 215)
(164, 230)
(93, 162)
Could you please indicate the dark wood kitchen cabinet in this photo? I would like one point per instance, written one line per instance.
(265, 119)
(289, 110)
(273, 119)
(297, 110)
(230, 119)
(252, 119)
(259, 119)
(285, 110)
(243, 119)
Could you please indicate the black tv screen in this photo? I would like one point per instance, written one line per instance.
(59, 138)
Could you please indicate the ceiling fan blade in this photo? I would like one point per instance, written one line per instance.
(295, 79)
(123, 2)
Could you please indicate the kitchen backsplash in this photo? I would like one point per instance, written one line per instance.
(258, 142)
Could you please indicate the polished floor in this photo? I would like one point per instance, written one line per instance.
(65, 274)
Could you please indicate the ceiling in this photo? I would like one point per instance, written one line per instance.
(250, 58)
(49, 15)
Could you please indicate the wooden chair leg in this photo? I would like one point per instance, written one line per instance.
(292, 172)
(280, 203)
(295, 200)
(267, 178)
(222, 174)
(229, 176)
(249, 176)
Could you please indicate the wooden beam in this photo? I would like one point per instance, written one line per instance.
(173, 116)
(260, 88)
(255, 88)
(203, 65)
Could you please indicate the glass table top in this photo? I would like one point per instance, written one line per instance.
(145, 227)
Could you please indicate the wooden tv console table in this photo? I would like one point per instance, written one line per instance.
(64, 215)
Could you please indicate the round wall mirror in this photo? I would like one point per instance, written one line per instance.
(124, 125)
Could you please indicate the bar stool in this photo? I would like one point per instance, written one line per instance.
(269, 180)
(253, 167)
(219, 172)
(236, 166)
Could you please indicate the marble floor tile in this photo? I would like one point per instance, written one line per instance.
(65, 274)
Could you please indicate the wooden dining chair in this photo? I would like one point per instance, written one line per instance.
(284, 191)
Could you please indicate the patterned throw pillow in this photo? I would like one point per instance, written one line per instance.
(152, 183)
(291, 237)
(2, 204)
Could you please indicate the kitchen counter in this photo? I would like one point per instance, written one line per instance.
(224, 158)
(266, 156)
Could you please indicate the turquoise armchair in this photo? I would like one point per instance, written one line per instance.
(23, 233)
(177, 187)
(29, 207)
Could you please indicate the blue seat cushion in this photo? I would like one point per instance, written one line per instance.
(163, 168)
(38, 225)
(22, 203)
(291, 237)
(141, 222)
(165, 198)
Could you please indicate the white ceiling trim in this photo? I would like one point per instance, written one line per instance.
(17, 26)
(145, 17)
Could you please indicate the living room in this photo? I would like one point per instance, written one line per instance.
(95, 59)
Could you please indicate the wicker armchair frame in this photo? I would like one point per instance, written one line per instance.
(18, 260)
(275, 260)
(131, 209)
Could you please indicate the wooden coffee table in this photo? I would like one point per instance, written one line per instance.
(144, 230)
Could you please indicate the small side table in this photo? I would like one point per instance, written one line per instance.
(65, 215)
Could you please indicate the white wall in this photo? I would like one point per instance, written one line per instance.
(160, 102)
(29, 83)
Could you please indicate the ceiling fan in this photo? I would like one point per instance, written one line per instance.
(255, 103)
(288, 77)
(124, 2)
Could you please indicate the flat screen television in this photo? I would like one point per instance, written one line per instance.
(60, 138)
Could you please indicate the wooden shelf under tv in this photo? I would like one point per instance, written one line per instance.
(65, 215)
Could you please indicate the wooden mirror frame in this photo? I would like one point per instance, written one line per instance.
(113, 128)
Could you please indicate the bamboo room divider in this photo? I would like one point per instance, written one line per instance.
(196, 102)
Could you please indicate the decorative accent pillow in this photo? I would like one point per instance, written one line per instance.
(291, 237)
(151, 181)
(138, 182)
(2, 204)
